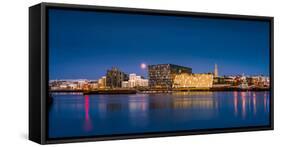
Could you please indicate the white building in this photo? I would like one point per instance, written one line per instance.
(102, 82)
(135, 81)
(125, 84)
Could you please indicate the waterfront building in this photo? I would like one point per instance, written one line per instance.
(162, 75)
(114, 78)
(230, 80)
(93, 84)
(125, 84)
(102, 82)
(72, 85)
(185, 80)
(69, 84)
(240, 79)
(81, 84)
(63, 86)
(221, 80)
(258, 81)
(142, 83)
(135, 81)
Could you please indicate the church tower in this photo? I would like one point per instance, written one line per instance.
(216, 72)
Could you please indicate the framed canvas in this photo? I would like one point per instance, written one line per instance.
(100, 73)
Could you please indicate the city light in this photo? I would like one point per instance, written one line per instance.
(162, 77)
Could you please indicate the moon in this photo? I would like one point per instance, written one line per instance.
(143, 66)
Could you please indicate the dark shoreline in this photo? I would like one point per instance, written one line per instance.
(134, 91)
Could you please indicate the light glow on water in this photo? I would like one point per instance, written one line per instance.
(73, 115)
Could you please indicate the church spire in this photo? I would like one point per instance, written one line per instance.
(216, 72)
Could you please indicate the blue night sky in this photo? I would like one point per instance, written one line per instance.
(84, 44)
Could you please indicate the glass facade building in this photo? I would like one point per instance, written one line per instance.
(114, 78)
(162, 75)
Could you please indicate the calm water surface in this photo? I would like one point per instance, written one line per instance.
(76, 115)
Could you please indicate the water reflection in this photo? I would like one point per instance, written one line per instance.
(250, 103)
(201, 103)
(255, 103)
(88, 123)
(243, 98)
(78, 115)
(139, 103)
(266, 101)
(235, 94)
(138, 111)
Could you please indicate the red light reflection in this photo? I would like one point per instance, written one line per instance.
(88, 124)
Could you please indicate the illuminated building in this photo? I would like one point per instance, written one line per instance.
(162, 75)
(142, 83)
(258, 81)
(102, 82)
(185, 80)
(135, 81)
(94, 85)
(125, 84)
(230, 80)
(114, 78)
(72, 86)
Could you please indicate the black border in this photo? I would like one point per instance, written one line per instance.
(44, 70)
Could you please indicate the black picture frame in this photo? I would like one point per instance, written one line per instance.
(38, 72)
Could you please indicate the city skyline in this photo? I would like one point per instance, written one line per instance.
(146, 77)
(86, 48)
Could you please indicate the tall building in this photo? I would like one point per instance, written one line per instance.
(216, 72)
(114, 78)
(162, 75)
(102, 82)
